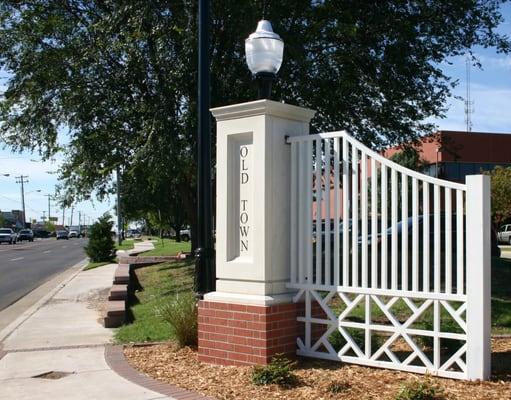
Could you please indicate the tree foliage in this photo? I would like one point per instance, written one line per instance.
(409, 158)
(101, 246)
(500, 194)
(120, 78)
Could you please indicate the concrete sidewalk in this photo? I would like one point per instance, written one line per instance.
(56, 349)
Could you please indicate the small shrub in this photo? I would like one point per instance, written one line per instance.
(180, 311)
(101, 246)
(420, 390)
(279, 371)
(338, 387)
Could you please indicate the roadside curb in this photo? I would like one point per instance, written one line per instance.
(114, 357)
(9, 329)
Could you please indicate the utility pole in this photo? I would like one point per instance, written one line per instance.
(49, 206)
(63, 216)
(23, 179)
(71, 221)
(79, 222)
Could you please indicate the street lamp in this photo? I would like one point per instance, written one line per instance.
(264, 50)
(436, 163)
(205, 275)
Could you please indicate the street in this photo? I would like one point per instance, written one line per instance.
(25, 266)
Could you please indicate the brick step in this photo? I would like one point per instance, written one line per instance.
(118, 292)
(115, 313)
(122, 274)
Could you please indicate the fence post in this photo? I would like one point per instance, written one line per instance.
(478, 273)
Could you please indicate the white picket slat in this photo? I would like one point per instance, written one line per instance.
(394, 239)
(337, 205)
(328, 216)
(363, 208)
(354, 216)
(460, 250)
(404, 232)
(374, 224)
(415, 235)
(319, 207)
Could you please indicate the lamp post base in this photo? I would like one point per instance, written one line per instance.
(264, 82)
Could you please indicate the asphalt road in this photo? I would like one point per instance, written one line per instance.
(25, 266)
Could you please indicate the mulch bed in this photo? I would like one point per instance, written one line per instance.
(180, 367)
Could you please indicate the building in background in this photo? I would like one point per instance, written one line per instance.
(453, 155)
(12, 219)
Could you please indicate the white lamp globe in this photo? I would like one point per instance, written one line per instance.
(264, 49)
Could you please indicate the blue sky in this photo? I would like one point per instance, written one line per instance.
(490, 91)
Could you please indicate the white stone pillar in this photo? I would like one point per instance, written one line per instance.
(253, 200)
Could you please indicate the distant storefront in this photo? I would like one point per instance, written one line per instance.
(12, 219)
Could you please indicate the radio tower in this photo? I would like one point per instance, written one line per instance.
(469, 104)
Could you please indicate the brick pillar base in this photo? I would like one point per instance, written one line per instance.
(236, 334)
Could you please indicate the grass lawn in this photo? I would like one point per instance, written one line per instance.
(501, 305)
(159, 283)
(501, 295)
(168, 247)
(163, 280)
(125, 245)
(92, 265)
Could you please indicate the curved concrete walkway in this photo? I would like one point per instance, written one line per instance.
(56, 349)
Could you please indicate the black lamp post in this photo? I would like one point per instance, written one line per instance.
(264, 50)
(204, 254)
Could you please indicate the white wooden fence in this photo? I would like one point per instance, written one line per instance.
(393, 266)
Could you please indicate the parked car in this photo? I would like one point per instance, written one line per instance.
(133, 233)
(504, 234)
(74, 234)
(62, 235)
(7, 235)
(26, 234)
(185, 234)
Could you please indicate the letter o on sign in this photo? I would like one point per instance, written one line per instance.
(243, 151)
(243, 217)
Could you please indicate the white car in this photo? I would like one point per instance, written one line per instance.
(504, 235)
(185, 234)
(7, 235)
(74, 234)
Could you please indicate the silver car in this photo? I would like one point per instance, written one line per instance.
(504, 235)
(7, 235)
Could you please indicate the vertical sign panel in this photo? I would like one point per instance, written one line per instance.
(241, 195)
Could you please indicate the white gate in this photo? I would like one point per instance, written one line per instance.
(393, 266)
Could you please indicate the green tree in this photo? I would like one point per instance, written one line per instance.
(409, 158)
(2, 220)
(101, 246)
(49, 226)
(120, 76)
(500, 194)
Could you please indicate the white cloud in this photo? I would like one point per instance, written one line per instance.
(495, 62)
(491, 110)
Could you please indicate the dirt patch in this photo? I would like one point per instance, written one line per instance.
(52, 375)
(182, 368)
(97, 300)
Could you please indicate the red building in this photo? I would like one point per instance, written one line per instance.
(452, 155)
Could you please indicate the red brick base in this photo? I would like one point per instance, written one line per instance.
(234, 334)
